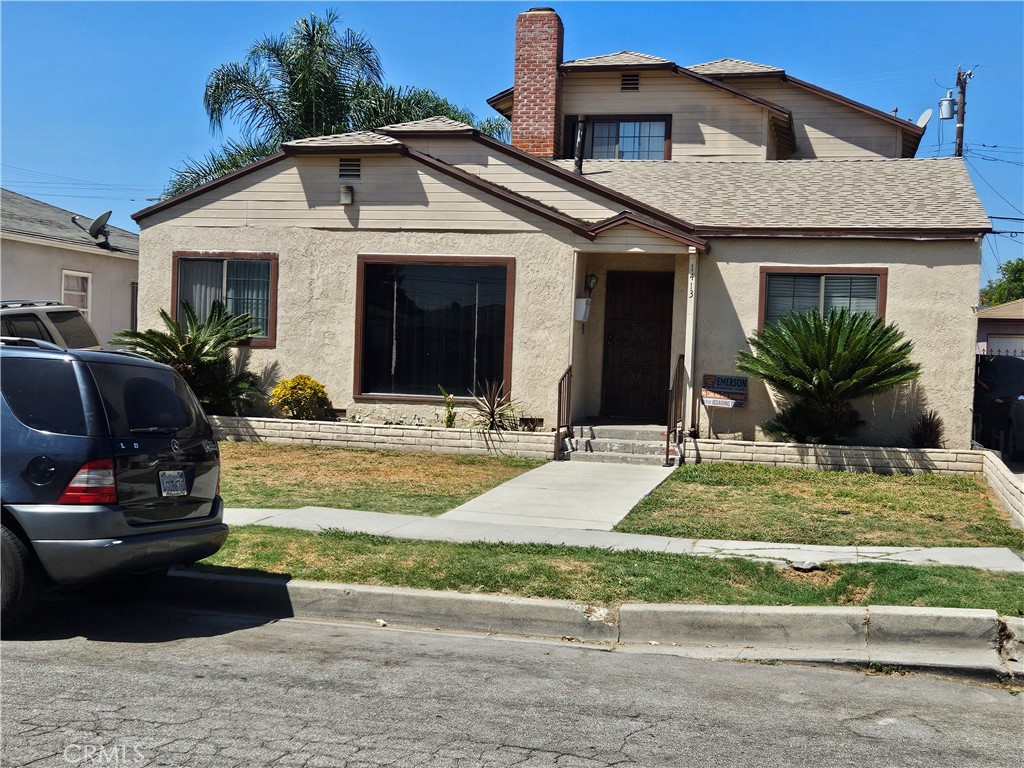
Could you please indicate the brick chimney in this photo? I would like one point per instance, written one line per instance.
(536, 112)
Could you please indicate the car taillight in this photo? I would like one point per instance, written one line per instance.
(92, 484)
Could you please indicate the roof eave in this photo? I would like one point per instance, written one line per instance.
(218, 182)
(670, 232)
(870, 233)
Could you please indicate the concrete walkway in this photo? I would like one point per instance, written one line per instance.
(502, 531)
(565, 494)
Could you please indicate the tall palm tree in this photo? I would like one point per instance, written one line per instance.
(313, 81)
(819, 364)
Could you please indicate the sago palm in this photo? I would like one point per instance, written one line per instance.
(819, 364)
(200, 351)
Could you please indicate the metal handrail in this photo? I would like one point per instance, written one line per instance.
(675, 409)
(564, 419)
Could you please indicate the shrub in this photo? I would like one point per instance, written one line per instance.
(302, 397)
(928, 432)
(449, 408)
(495, 409)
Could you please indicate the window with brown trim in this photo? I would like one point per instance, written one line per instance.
(622, 137)
(798, 289)
(426, 323)
(245, 282)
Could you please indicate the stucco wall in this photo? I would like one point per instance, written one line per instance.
(932, 287)
(33, 271)
(317, 295)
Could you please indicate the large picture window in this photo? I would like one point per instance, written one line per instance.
(431, 323)
(245, 283)
(786, 291)
(621, 138)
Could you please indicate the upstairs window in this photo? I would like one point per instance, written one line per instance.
(622, 138)
(791, 291)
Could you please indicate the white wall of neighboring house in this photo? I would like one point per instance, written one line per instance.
(33, 269)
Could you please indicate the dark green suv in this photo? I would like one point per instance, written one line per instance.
(109, 466)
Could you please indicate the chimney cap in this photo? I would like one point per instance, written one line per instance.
(539, 10)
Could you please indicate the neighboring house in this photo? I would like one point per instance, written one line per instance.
(1001, 329)
(712, 199)
(49, 254)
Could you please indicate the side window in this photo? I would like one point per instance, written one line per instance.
(27, 326)
(74, 329)
(76, 290)
(44, 394)
(797, 290)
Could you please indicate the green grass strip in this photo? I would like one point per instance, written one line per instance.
(609, 578)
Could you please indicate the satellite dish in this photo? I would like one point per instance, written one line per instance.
(99, 225)
(922, 121)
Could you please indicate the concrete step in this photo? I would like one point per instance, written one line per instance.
(626, 446)
(618, 458)
(649, 432)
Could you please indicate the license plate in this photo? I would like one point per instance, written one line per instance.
(173, 484)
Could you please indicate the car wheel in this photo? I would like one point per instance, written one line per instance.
(18, 580)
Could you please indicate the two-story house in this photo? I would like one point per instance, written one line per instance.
(690, 205)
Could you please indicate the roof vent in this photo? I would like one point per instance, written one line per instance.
(349, 168)
(630, 81)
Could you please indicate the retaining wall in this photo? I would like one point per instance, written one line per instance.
(1006, 486)
(393, 437)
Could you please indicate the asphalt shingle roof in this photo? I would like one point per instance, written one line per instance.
(1013, 310)
(20, 215)
(437, 123)
(915, 194)
(620, 59)
(357, 139)
(731, 67)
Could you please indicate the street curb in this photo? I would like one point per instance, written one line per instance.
(942, 639)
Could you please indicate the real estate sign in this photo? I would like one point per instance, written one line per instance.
(723, 391)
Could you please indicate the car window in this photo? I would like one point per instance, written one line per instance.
(27, 326)
(44, 394)
(139, 400)
(73, 328)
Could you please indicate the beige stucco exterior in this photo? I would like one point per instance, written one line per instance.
(32, 269)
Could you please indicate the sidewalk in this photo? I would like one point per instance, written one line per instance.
(445, 528)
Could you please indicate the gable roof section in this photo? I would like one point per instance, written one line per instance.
(737, 69)
(30, 218)
(1012, 311)
(904, 198)
(622, 59)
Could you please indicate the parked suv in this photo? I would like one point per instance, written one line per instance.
(50, 321)
(109, 466)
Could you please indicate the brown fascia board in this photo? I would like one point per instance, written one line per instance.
(771, 106)
(574, 225)
(878, 233)
(672, 233)
(220, 181)
(582, 181)
(494, 102)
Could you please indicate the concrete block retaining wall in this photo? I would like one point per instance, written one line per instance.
(1006, 486)
(393, 437)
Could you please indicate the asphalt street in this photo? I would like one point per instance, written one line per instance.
(143, 686)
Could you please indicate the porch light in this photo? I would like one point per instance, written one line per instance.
(590, 282)
(345, 198)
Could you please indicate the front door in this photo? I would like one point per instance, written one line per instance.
(637, 345)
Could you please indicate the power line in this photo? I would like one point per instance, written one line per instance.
(1018, 210)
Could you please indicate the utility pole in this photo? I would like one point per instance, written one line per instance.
(961, 104)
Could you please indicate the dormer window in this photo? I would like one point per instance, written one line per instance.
(630, 137)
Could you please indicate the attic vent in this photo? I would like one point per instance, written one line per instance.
(349, 168)
(630, 81)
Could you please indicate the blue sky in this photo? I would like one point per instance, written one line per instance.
(101, 100)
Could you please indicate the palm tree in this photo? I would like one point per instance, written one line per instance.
(200, 352)
(313, 81)
(820, 364)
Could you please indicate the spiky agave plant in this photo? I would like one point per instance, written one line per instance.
(820, 364)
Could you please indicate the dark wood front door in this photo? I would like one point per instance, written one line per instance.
(637, 345)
